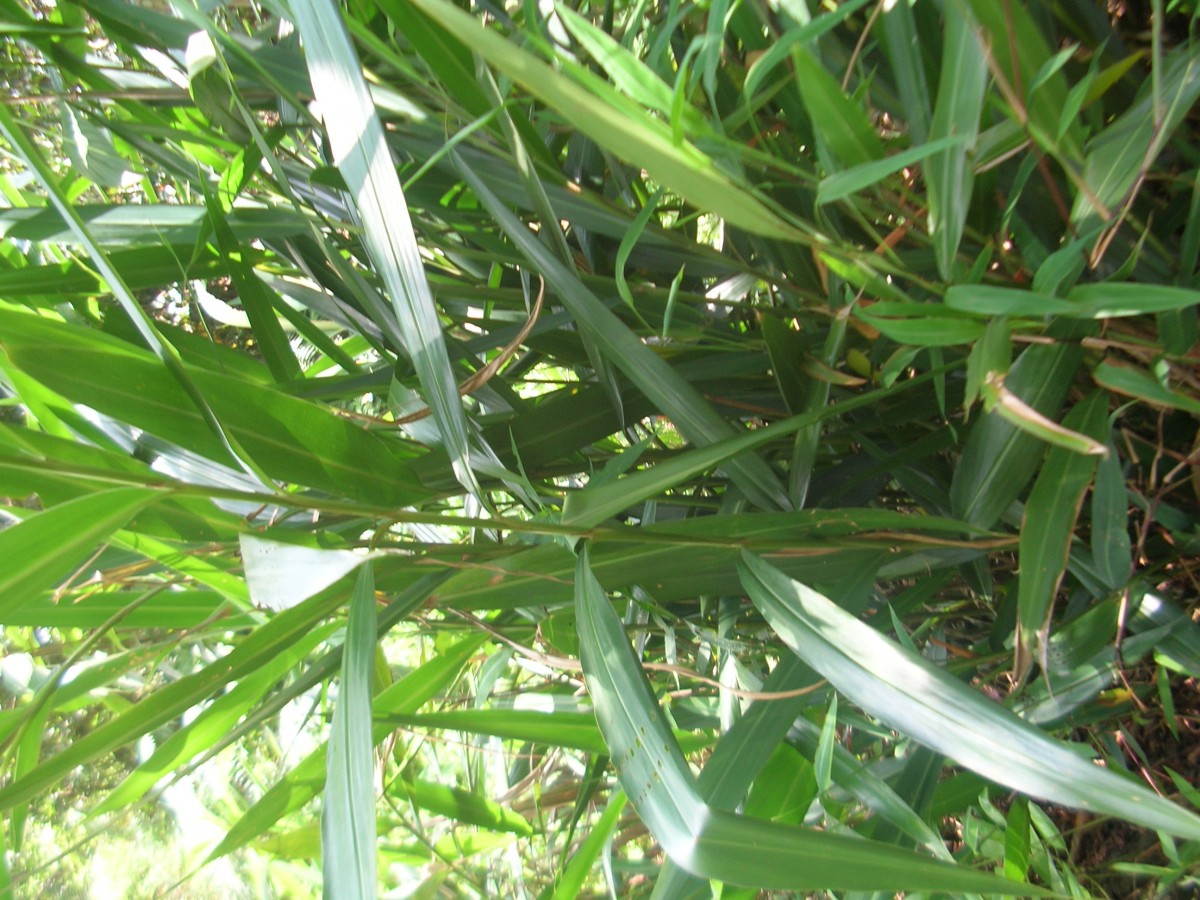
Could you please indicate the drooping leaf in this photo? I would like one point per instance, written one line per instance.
(917, 698)
(710, 842)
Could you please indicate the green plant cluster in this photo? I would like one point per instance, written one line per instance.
(560, 449)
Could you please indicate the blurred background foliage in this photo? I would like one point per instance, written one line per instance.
(601, 448)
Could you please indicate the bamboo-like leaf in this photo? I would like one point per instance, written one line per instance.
(709, 842)
(123, 226)
(990, 357)
(1118, 157)
(1141, 384)
(570, 881)
(639, 139)
(902, 43)
(176, 609)
(949, 174)
(1016, 841)
(361, 154)
(628, 73)
(42, 549)
(679, 559)
(1085, 301)
(297, 441)
(600, 500)
(657, 380)
(864, 175)
(217, 575)
(348, 815)
(1019, 51)
(464, 806)
(257, 300)
(1048, 526)
(574, 730)
(211, 725)
(780, 50)
(1112, 549)
(841, 124)
(1000, 400)
(1000, 459)
(920, 324)
(918, 699)
(145, 325)
(172, 700)
(872, 791)
(307, 779)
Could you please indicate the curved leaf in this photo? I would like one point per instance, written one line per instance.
(917, 698)
(710, 842)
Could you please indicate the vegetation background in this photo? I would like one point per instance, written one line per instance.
(600, 448)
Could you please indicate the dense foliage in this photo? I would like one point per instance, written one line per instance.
(552, 449)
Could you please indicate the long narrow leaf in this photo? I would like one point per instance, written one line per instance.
(42, 549)
(306, 780)
(639, 139)
(361, 154)
(709, 842)
(915, 697)
(1048, 526)
(949, 174)
(348, 817)
(674, 396)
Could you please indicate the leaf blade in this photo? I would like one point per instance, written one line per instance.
(941, 712)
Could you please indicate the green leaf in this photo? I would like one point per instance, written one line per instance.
(44, 548)
(126, 225)
(307, 779)
(949, 174)
(140, 267)
(173, 700)
(1048, 526)
(902, 43)
(361, 154)
(639, 139)
(1016, 841)
(146, 327)
(1112, 549)
(920, 324)
(1119, 156)
(1104, 300)
(348, 815)
(991, 355)
(709, 842)
(860, 177)
(210, 725)
(780, 50)
(576, 731)
(257, 300)
(1000, 459)
(678, 399)
(600, 500)
(839, 121)
(1000, 400)
(785, 789)
(908, 693)
(571, 880)
(296, 441)
(464, 806)
(823, 758)
(853, 776)
(628, 73)
(1141, 384)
